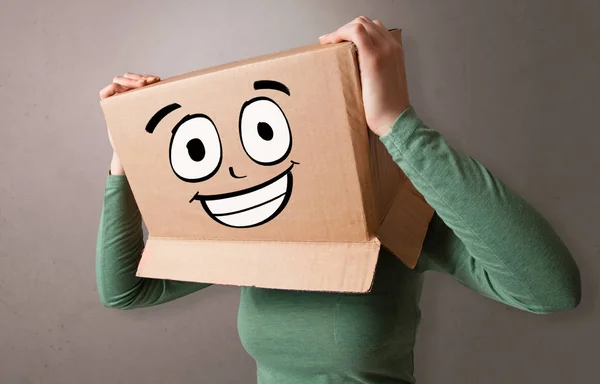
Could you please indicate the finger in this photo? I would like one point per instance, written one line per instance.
(112, 89)
(384, 31)
(131, 83)
(133, 76)
(108, 91)
(354, 32)
(151, 78)
(379, 24)
(374, 31)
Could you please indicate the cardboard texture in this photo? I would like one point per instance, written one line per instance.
(263, 173)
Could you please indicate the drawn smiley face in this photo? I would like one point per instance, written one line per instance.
(196, 155)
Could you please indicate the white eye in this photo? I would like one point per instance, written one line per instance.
(264, 131)
(195, 152)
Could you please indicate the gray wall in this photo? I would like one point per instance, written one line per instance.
(513, 83)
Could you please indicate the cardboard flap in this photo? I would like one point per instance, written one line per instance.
(405, 224)
(308, 266)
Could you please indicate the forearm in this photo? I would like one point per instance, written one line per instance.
(486, 236)
(118, 251)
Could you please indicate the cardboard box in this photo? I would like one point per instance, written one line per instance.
(263, 173)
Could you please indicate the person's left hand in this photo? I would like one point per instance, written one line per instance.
(382, 71)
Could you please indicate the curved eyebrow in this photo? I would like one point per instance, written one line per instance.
(158, 116)
(271, 84)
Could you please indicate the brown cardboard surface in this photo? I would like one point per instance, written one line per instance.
(263, 172)
(321, 145)
(405, 224)
(339, 267)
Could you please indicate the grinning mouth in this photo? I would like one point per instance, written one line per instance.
(252, 206)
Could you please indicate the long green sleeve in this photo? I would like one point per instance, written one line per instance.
(483, 234)
(118, 251)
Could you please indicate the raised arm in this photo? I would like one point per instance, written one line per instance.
(483, 234)
(120, 237)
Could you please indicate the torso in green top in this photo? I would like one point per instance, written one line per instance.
(310, 337)
(482, 234)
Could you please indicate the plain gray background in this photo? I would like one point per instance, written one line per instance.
(513, 83)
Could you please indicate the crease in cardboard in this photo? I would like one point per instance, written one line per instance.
(389, 206)
(372, 239)
(354, 110)
(380, 176)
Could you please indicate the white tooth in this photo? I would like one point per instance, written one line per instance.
(252, 216)
(248, 200)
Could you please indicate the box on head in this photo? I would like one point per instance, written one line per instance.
(263, 173)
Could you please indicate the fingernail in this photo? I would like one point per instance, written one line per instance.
(323, 36)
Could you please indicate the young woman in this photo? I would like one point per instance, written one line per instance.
(482, 234)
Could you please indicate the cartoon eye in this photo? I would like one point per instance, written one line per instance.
(195, 152)
(264, 131)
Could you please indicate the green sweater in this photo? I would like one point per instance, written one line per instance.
(482, 234)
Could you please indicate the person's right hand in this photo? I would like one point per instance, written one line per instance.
(122, 84)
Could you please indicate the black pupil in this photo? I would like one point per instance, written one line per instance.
(265, 131)
(196, 149)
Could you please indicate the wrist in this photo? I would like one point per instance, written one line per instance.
(383, 129)
(384, 125)
(116, 168)
(383, 122)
